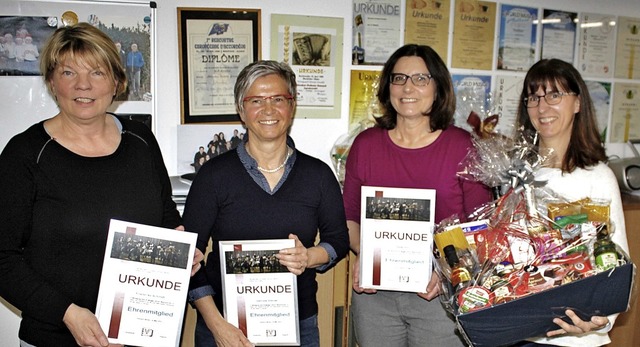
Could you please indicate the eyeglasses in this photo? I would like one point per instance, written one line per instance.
(418, 80)
(273, 100)
(550, 98)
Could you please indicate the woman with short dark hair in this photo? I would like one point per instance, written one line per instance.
(265, 188)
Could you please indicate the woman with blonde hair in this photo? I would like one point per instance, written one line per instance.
(63, 180)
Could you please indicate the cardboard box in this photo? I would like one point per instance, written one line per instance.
(602, 294)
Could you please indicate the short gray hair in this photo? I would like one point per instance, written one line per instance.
(258, 69)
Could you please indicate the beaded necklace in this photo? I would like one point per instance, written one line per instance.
(286, 158)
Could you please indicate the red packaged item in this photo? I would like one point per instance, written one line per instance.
(576, 266)
(474, 298)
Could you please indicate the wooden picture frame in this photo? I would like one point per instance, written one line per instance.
(215, 45)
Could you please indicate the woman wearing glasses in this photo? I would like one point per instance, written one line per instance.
(557, 104)
(265, 189)
(413, 145)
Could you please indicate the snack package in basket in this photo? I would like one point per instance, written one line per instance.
(527, 255)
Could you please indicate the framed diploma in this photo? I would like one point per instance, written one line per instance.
(260, 295)
(313, 48)
(215, 45)
(517, 39)
(376, 30)
(144, 284)
(396, 238)
(472, 45)
(427, 23)
(559, 30)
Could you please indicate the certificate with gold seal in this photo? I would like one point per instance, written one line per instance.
(260, 294)
(396, 238)
(144, 284)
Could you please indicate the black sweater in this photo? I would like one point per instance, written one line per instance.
(224, 203)
(56, 207)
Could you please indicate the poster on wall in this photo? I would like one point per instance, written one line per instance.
(628, 48)
(363, 100)
(132, 36)
(517, 41)
(559, 35)
(312, 46)
(215, 45)
(601, 96)
(506, 93)
(427, 23)
(376, 30)
(625, 109)
(473, 94)
(23, 37)
(474, 28)
(597, 38)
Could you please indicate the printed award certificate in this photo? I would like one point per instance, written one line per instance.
(396, 238)
(144, 284)
(260, 295)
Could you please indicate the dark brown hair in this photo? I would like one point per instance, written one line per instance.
(444, 104)
(585, 146)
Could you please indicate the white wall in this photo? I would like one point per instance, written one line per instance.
(312, 136)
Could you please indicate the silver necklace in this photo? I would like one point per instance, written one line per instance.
(286, 158)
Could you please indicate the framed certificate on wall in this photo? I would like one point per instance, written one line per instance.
(215, 45)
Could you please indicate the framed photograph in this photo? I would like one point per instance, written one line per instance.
(215, 45)
(198, 143)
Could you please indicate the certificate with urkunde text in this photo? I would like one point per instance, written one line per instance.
(260, 295)
(144, 284)
(396, 238)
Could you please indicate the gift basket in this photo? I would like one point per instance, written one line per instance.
(523, 259)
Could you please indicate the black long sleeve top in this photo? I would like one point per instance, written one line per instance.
(56, 207)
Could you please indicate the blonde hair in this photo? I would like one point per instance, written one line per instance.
(88, 44)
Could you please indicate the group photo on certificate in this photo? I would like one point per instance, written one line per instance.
(396, 238)
(260, 294)
(144, 284)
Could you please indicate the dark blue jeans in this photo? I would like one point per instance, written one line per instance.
(309, 333)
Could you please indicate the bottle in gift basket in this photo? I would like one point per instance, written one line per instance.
(604, 250)
(460, 276)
